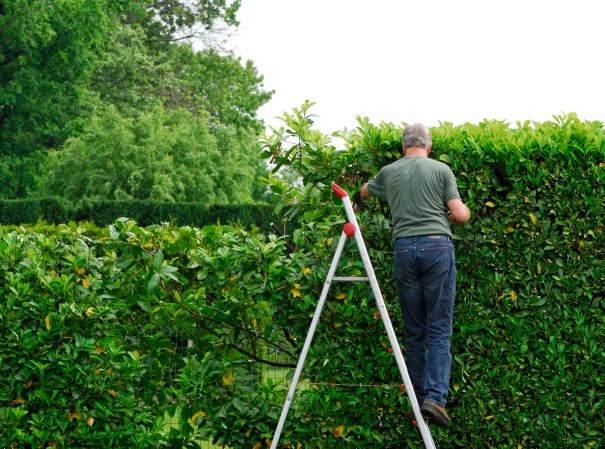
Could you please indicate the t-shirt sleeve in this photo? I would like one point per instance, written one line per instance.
(376, 186)
(451, 189)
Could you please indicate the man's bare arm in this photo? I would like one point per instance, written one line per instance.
(458, 211)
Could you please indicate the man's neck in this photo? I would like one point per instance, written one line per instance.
(416, 151)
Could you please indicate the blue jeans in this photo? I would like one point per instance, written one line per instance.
(425, 276)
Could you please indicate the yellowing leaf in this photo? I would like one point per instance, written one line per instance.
(197, 415)
(85, 283)
(80, 270)
(341, 296)
(338, 431)
(295, 292)
(113, 393)
(490, 204)
(99, 350)
(52, 444)
(489, 417)
(74, 415)
(47, 321)
(299, 445)
(90, 421)
(306, 270)
(329, 241)
(90, 311)
(456, 387)
(534, 219)
(229, 377)
(513, 295)
(18, 401)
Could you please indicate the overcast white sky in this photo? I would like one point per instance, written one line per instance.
(427, 61)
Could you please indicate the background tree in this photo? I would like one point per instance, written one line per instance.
(47, 53)
(162, 155)
(65, 63)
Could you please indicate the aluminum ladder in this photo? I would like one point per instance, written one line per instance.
(351, 229)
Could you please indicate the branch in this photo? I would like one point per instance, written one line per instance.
(255, 337)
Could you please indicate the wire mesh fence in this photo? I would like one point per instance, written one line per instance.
(278, 375)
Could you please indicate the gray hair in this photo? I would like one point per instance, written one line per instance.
(417, 135)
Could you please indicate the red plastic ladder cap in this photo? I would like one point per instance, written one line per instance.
(349, 229)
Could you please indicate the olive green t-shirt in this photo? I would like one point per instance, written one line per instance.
(417, 189)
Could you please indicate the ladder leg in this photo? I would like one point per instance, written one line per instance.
(308, 340)
(422, 425)
(384, 314)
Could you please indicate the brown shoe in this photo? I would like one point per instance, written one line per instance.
(435, 414)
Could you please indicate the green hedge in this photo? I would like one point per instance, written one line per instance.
(529, 337)
(145, 213)
(84, 322)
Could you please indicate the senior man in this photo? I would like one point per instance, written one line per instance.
(424, 200)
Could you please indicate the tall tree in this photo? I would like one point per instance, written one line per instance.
(230, 90)
(47, 52)
(164, 156)
(167, 21)
(64, 62)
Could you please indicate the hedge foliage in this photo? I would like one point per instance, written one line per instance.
(146, 213)
(87, 327)
(529, 333)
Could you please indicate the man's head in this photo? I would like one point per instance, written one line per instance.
(417, 136)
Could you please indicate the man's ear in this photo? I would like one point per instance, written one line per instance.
(428, 150)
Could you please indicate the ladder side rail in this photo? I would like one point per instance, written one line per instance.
(308, 340)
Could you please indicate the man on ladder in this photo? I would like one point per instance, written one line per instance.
(423, 198)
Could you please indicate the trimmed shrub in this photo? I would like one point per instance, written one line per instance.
(145, 213)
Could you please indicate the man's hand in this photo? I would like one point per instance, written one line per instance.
(365, 192)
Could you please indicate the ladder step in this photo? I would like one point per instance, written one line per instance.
(351, 279)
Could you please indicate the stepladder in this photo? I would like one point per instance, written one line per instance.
(352, 231)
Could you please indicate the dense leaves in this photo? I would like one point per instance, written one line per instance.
(90, 328)
(187, 324)
(528, 356)
(47, 53)
(68, 66)
(163, 156)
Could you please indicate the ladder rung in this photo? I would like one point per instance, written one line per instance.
(351, 279)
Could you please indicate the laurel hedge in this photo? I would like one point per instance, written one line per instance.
(529, 334)
(87, 325)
